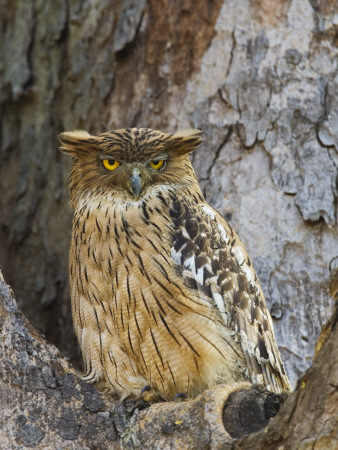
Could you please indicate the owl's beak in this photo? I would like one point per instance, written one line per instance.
(136, 184)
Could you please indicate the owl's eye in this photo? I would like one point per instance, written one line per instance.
(157, 165)
(110, 164)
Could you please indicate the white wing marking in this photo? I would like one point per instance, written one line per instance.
(209, 212)
(238, 255)
(223, 233)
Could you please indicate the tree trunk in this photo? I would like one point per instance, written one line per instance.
(260, 81)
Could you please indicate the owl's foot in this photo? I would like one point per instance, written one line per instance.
(130, 404)
(180, 397)
(148, 394)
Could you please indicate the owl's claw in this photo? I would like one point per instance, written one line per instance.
(131, 403)
(180, 397)
(146, 388)
(148, 394)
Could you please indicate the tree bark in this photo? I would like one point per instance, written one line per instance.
(45, 405)
(260, 81)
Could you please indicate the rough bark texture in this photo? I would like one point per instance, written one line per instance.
(45, 405)
(261, 82)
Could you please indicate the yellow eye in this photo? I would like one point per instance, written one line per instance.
(157, 165)
(110, 164)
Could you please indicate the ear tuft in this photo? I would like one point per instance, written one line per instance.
(73, 141)
(76, 134)
(184, 141)
(190, 132)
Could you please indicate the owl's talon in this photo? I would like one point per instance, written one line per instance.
(180, 397)
(146, 388)
(148, 394)
(131, 403)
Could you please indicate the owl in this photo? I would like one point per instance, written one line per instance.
(163, 291)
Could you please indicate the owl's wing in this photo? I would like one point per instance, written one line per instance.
(213, 260)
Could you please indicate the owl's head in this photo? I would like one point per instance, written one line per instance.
(129, 161)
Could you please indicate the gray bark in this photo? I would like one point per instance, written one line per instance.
(261, 82)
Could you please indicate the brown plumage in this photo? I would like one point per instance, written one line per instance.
(163, 291)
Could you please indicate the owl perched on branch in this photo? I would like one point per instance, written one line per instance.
(163, 291)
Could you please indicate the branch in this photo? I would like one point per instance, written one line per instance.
(45, 404)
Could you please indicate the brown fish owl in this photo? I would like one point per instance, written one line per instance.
(163, 292)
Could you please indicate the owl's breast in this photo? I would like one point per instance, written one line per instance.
(140, 308)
